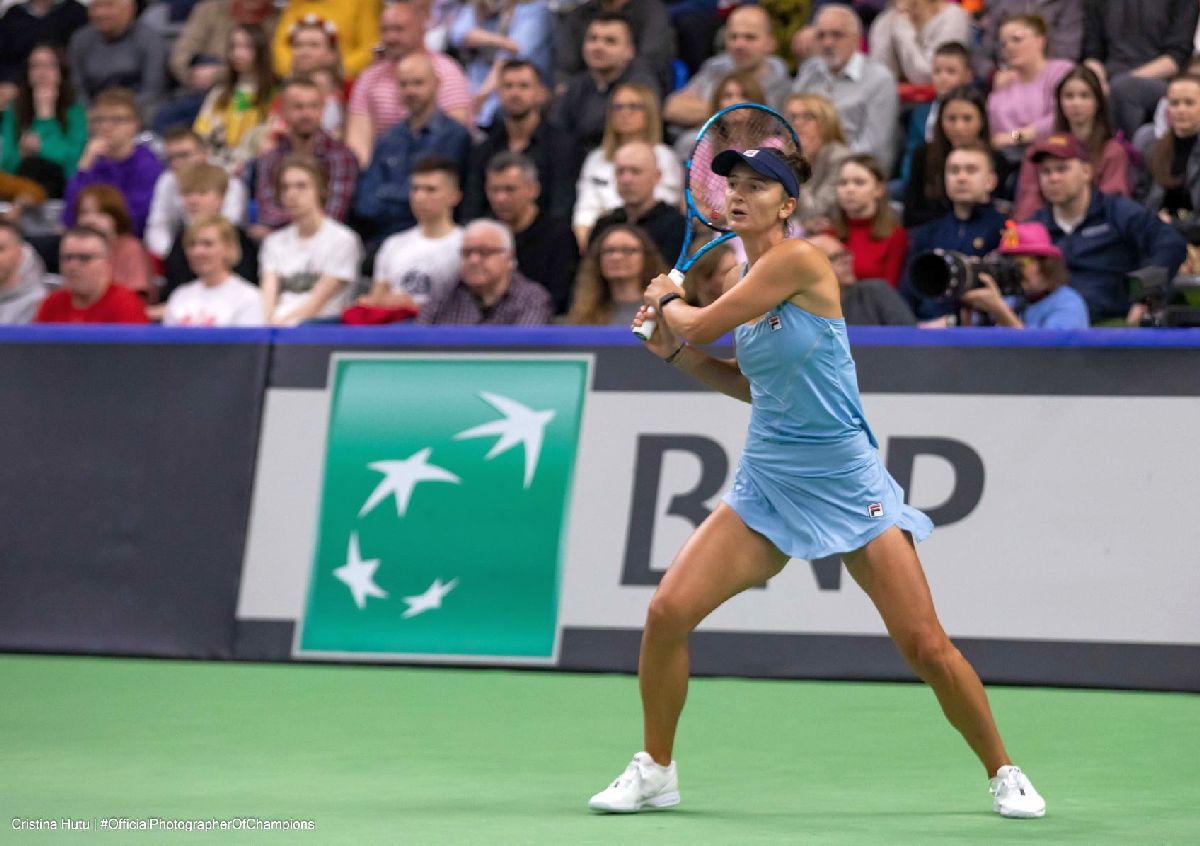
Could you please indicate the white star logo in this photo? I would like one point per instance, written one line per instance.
(359, 575)
(521, 425)
(430, 599)
(400, 477)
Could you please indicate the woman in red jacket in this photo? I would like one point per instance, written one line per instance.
(865, 223)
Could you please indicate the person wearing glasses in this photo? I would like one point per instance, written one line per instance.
(88, 293)
(616, 269)
(861, 89)
(113, 155)
(490, 290)
(823, 143)
(546, 249)
(632, 116)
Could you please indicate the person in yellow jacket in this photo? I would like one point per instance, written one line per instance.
(357, 24)
(234, 112)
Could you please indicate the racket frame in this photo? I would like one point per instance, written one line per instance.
(686, 259)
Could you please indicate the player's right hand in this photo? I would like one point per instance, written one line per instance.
(663, 342)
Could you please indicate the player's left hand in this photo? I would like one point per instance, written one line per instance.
(658, 288)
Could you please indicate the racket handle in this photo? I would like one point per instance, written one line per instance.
(647, 328)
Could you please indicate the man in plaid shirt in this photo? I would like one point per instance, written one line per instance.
(302, 104)
(490, 291)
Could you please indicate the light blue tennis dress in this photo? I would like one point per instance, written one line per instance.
(811, 478)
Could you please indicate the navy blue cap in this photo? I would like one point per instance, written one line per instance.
(765, 161)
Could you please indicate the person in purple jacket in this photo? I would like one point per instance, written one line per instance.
(114, 156)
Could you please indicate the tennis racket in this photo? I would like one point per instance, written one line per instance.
(739, 127)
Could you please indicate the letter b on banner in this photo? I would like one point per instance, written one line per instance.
(690, 505)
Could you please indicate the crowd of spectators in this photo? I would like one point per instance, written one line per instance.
(260, 162)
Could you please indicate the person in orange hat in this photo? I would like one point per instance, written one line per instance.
(1048, 301)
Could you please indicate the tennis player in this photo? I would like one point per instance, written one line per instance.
(810, 483)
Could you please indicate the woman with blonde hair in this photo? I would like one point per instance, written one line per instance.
(823, 145)
(633, 115)
(615, 271)
(218, 296)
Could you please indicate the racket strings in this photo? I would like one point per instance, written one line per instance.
(741, 128)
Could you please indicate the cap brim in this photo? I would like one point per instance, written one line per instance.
(764, 161)
(1041, 155)
(726, 160)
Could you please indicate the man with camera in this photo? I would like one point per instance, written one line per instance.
(1047, 301)
(1103, 237)
(971, 229)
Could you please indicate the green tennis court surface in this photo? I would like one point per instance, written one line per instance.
(434, 756)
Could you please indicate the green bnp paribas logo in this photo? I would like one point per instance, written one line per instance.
(443, 512)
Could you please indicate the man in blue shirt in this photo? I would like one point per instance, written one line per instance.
(381, 200)
(1103, 237)
(972, 227)
(1048, 302)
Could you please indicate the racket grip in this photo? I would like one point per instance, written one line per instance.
(647, 328)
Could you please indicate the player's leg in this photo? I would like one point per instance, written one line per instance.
(890, 573)
(721, 559)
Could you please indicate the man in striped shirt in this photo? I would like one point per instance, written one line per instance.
(375, 105)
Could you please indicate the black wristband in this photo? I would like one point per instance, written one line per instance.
(666, 298)
(671, 358)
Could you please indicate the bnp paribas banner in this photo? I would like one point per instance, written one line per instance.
(444, 509)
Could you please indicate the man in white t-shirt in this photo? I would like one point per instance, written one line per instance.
(183, 149)
(418, 263)
(307, 269)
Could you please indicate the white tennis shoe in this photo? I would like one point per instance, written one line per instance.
(644, 784)
(1013, 794)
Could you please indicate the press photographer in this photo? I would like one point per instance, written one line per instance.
(1046, 301)
(971, 229)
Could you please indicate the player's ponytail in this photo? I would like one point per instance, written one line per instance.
(799, 165)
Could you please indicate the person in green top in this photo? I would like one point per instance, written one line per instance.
(43, 131)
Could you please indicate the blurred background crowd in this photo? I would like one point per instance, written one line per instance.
(1020, 163)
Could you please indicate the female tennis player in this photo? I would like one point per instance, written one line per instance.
(810, 483)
